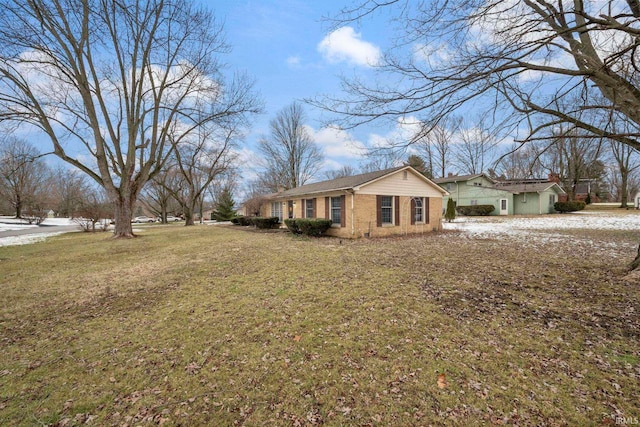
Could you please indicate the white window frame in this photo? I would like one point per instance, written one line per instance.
(276, 210)
(390, 208)
(308, 203)
(419, 209)
(333, 209)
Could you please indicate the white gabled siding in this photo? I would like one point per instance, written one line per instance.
(396, 185)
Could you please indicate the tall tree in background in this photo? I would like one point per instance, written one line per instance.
(531, 58)
(157, 196)
(437, 144)
(24, 177)
(627, 161)
(291, 157)
(200, 158)
(109, 80)
(70, 188)
(574, 159)
(419, 164)
(475, 150)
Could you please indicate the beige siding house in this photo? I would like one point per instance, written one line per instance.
(383, 203)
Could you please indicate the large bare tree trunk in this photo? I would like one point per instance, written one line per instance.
(188, 215)
(123, 211)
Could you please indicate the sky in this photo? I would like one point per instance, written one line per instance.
(293, 52)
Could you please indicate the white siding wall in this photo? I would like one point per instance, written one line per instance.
(396, 185)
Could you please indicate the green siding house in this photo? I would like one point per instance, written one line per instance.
(511, 197)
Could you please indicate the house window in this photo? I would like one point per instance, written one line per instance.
(336, 210)
(524, 198)
(387, 209)
(474, 202)
(448, 187)
(419, 212)
(404, 175)
(276, 210)
(552, 199)
(308, 208)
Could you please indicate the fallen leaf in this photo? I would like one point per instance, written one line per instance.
(297, 338)
(442, 381)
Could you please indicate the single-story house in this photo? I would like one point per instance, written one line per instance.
(388, 202)
(509, 197)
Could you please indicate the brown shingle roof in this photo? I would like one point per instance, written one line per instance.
(343, 183)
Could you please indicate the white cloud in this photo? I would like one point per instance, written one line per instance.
(337, 143)
(406, 128)
(345, 45)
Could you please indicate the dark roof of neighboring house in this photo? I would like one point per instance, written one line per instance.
(344, 183)
(531, 187)
(458, 178)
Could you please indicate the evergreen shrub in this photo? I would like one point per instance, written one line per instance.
(307, 226)
(571, 206)
(475, 210)
(265, 223)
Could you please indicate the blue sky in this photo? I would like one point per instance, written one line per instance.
(292, 53)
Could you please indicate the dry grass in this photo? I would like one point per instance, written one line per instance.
(219, 326)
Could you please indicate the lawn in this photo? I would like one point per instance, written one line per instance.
(220, 326)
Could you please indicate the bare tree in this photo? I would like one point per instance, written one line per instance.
(157, 196)
(24, 177)
(199, 160)
(94, 210)
(436, 144)
(627, 161)
(70, 188)
(476, 149)
(532, 58)
(291, 157)
(346, 170)
(113, 78)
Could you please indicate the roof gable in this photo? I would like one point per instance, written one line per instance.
(354, 182)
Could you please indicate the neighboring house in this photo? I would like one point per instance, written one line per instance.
(389, 202)
(636, 201)
(510, 197)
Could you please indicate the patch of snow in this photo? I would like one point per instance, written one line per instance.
(26, 239)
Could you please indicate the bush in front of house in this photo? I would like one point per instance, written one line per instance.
(310, 227)
(265, 223)
(475, 210)
(292, 225)
(571, 206)
(241, 220)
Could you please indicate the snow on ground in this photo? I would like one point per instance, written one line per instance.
(492, 225)
(533, 231)
(26, 239)
(13, 224)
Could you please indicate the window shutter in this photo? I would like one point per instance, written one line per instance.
(397, 209)
(379, 211)
(313, 208)
(343, 210)
(327, 202)
(304, 208)
(426, 210)
(413, 211)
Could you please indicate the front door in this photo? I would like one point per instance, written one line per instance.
(290, 208)
(504, 207)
